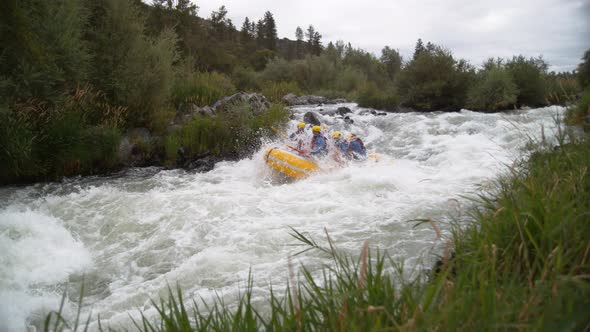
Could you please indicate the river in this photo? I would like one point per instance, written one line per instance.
(132, 234)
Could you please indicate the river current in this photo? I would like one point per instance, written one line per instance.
(131, 235)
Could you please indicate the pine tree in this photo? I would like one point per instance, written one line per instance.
(245, 36)
(419, 48)
(392, 61)
(260, 33)
(270, 32)
(317, 43)
(310, 34)
(299, 43)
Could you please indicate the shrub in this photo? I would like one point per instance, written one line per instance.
(200, 88)
(349, 79)
(246, 79)
(371, 96)
(78, 135)
(495, 90)
(43, 53)
(131, 68)
(528, 77)
(232, 133)
(561, 88)
(435, 80)
(580, 113)
(275, 91)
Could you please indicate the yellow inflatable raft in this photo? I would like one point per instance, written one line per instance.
(290, 164)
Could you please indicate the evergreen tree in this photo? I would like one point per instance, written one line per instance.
(260, 33)
(317, 43)
(245, 36)
(392, 61)
(310, 34)
(219, 22)
(299, 49)
(270, 32)
(418, 49)
(430, 47)
(584, 70)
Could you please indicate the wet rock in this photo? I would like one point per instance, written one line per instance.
(204, 164)
(348, 120)
(135, 148)
(339, 101)
(289, 99)
(343, 110)
(311, 118)
(255, 101)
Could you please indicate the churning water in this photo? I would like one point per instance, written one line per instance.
(130, 236)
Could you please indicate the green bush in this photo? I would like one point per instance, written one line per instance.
(200, 88)
(382, 99)
(246, 79)
(561, 89)
(435, 80)
(494, 90)
(580, 113)
(349, 79)
(234, 132)
(528, 75)
(78, 135)
(132, 69)
(43, 52)
(275, 91)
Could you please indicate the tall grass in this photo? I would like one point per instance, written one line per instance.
(77, 135)
(276, 91)
(580, 113)
(200, 88)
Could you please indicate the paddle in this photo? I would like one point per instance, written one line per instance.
(287, 138)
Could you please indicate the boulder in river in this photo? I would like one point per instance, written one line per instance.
(311, 118)
(343, 110)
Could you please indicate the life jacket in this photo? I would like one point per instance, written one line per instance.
(314, 138)
(360, 143)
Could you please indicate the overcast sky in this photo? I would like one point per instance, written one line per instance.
(559, 30)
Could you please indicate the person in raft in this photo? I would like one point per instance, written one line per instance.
(356, 148)
(298, 135)
(340, 144)
(319, 146)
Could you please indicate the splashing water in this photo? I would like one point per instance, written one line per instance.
(131, 235)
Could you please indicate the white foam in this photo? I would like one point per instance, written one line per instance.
(35, 251)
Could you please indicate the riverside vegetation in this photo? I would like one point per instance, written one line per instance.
(76, 75)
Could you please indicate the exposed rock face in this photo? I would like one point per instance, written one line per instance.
(135, 148)
(311, 118)
(257, 102)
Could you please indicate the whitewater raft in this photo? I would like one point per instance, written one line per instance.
(290, 164)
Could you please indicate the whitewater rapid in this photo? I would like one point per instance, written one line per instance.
(130, 235)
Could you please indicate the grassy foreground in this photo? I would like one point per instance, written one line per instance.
(523, 263)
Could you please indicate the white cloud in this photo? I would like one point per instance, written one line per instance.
(475, 30)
